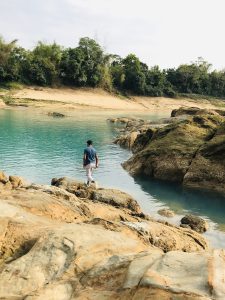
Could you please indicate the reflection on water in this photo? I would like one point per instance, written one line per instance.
(180, 199)
(206, 204)
(39, 147)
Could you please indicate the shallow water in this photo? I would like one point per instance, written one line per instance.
(39, 147)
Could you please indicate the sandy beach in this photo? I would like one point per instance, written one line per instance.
(66, 99)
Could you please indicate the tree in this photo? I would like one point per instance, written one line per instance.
(134, 75)
(83, 65)
(71, 71)
(191, 78)
(217, 83)
(93, 60)
(42, 64)
(6, 50)
(117, 72)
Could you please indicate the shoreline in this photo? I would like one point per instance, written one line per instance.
(68, 100)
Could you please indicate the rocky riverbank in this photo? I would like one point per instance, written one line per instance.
(188, 148)
(67, 241)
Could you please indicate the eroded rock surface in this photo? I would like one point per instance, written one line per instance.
(69, 241)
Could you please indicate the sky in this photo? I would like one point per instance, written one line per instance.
(160, 32)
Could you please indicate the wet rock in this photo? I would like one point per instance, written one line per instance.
(56, 115)
(166, 213)
(196, 223)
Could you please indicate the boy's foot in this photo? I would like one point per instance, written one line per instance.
(88, 183)
(92, 181)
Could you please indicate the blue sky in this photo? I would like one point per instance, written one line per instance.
(161, 32)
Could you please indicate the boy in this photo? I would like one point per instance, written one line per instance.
(90, 161)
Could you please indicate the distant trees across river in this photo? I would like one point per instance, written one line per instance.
(87, 65)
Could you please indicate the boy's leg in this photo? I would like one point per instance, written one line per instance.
(89, 173)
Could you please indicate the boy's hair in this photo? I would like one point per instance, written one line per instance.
(89, 142)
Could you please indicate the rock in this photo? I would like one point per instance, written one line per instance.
(122, 120)
(56, 115)
(166, 213)
(65, 183)
(207, 169)
(220, 112)
(3, 178)
(55, 291)
(54, 181)
(185, 226)
(194, 111)
(47, 261)
(133, 135)
(167, 237)
(17, 181)
(127, 141)
(189, 151)
(116, 198)
(112, 120)
(196, 223)
(179, 272)
(142, 140)
(153, 275)
(108, 196)
(55, 245)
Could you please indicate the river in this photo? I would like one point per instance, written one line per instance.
(39, 147)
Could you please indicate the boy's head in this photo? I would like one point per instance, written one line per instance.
(89, 142)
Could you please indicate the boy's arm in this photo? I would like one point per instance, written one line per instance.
(96, 160)
(84, 159)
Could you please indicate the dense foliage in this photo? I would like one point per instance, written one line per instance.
(88, 66)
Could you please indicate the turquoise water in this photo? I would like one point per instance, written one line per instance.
(39, 147)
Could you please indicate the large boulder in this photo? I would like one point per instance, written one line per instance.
(172, 148)
(189, 151)
(194, 222)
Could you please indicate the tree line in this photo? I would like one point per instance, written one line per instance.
(87, 65)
